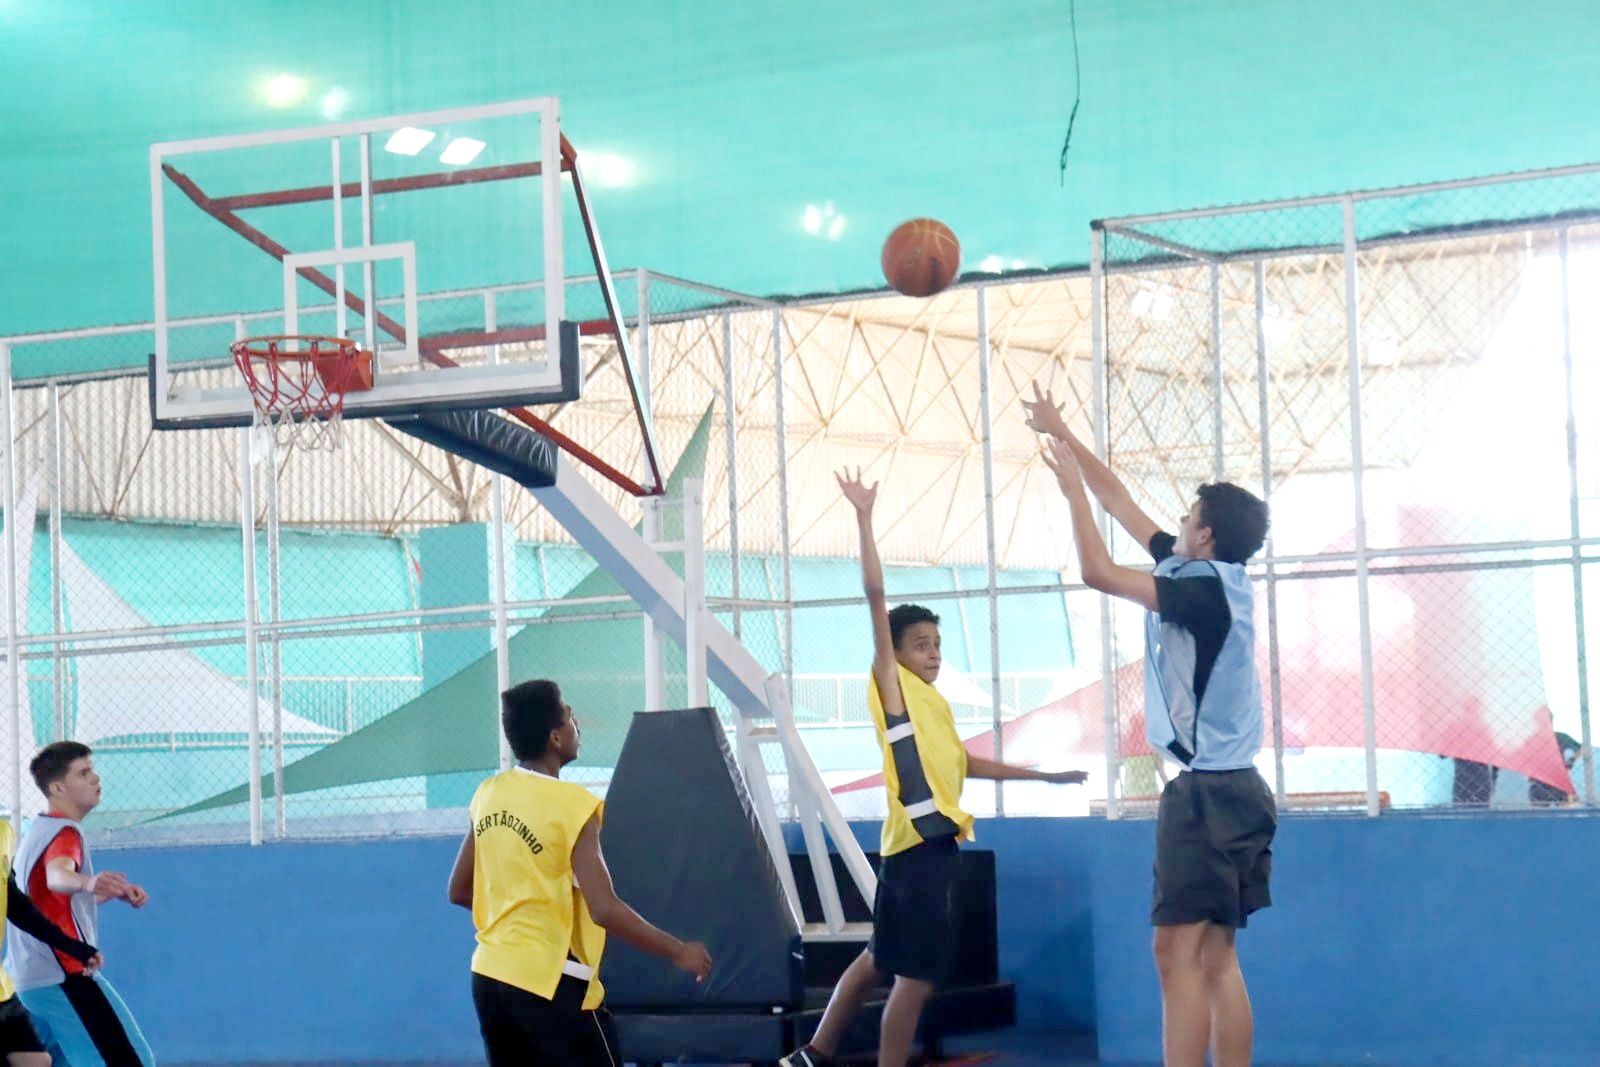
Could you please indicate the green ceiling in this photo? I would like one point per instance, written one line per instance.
(738, 116)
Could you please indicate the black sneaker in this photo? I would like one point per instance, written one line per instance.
(806, 1056)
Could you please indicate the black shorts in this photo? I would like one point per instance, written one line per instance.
(916, 917)
(1213, 848)
(16, 1029)
(522, 1029)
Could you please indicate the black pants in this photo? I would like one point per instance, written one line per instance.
(521, 1029)
(916, 919)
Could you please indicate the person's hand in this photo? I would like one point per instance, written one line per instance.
(107, 885)
(861, 496)
(136, 896)
(1061, 460)
(693, 958)
(1067, 777)
(1044, 414)
(96, 962)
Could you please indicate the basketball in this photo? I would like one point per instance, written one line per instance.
(921, 257)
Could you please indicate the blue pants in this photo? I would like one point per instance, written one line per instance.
(84, 1023)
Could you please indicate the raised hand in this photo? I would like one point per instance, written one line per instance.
(861, 496)
(1061, 460)
(1044, 414)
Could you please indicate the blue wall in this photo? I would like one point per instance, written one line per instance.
(1397, 941)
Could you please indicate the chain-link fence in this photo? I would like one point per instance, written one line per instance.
(1424, 601)
(1402, 376)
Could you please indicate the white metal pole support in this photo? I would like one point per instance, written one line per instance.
(502, 638)
(1217, 460)
(1352, 313)
(1108, 673)
(730, 412)
(57, 612)
(1264, 417)
(252, 628)
(991, 561)
(785, 555)
(694, 592)
(498, 557)
(1585, 728)
(280, 827)
(13, 663)
(655, 676)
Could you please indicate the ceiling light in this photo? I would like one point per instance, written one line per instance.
(285, 90)
(613, 170)
(334, 103)
(461, 151)
(811, 219)
(408, 141)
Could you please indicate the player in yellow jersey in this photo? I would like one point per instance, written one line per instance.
(19, 1041)
(531, 870)
(915, 920)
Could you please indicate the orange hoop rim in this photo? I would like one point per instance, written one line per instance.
(269, 347)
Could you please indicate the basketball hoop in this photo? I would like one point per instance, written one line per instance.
(298, 384)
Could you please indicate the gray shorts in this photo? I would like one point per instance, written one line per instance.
(1214, 834)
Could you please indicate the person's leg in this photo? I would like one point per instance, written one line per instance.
(19, 1038)
(900, 1017)
(1232, 1028)
(130, 1027)
(76, 1018)
(855, 985)
(520, 1029)
(1185, 1005)
(603, 1048)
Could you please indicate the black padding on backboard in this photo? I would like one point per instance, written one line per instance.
(684, 848)
(489, 440)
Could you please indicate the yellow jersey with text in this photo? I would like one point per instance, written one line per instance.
(533, 924)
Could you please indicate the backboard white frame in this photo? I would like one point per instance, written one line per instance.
(460, 386)
(339, 258)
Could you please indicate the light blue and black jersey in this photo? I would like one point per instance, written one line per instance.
(1202, 694)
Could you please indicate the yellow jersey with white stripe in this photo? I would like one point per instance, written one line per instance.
(533, 924)
(924, 767)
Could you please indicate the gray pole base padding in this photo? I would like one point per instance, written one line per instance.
(685, 850)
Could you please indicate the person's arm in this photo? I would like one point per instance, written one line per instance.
(1099, 572)
(1044, 416)
(885, 668)
(25, 915)
(615, 915)
(460, 888)
(993, 770)
(63, 865)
